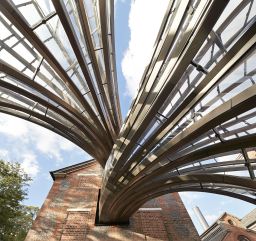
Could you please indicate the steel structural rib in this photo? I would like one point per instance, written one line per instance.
(155, 180)
(233, 58)
(62, 58)
(192, 124)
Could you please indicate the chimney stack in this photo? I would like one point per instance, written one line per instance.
(201, 218)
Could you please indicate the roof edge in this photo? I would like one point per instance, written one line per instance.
(74, 167)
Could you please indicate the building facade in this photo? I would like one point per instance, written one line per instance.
(249, 220)
(229, 228)
(70, 212)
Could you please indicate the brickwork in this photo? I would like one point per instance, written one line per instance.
(150, 223)
(228, 228)
(234, 233)
(68, 214)
(76, 226)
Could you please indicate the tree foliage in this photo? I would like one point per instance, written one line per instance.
(15, 218)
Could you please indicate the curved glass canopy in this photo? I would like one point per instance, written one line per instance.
(192, 125)
(58, 69)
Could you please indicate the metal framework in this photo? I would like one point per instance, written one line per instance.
(192, 125)
(58, 69)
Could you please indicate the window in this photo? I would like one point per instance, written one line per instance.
(242, 238)
(231, 222)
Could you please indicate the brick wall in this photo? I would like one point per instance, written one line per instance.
(68, 214)
(234, 234)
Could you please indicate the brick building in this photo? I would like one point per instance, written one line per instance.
(229, 228)
(249, 220)
(69, 212)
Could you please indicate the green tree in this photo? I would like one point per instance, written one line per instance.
(15, 218)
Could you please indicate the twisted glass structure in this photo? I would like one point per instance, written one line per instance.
(192, 125)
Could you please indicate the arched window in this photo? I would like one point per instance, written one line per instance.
(243, 238)
(231, 222)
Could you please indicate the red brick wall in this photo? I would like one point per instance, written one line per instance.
(68, 214)
(234, 233)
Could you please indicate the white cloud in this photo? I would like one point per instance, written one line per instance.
(50, 143)
(29, 134)
(30, 164)
(4, 155)
(13, 127)
(27, 160)
(144, 22)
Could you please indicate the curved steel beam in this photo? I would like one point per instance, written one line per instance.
(21, 115)
(116, 101)
(106, 33)
(239, 104)
(62, 129)
(235, 106)
(162, 136)
(232, 59)
(123, 210)
(207, 152)
(115, 193)
(11, 13)
(69, 29)
(63, 114)
(157, 193)
(206, 15)
(86, 127)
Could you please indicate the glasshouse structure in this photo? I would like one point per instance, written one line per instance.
(192, 124)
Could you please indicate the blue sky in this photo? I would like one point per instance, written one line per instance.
(40, 151)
